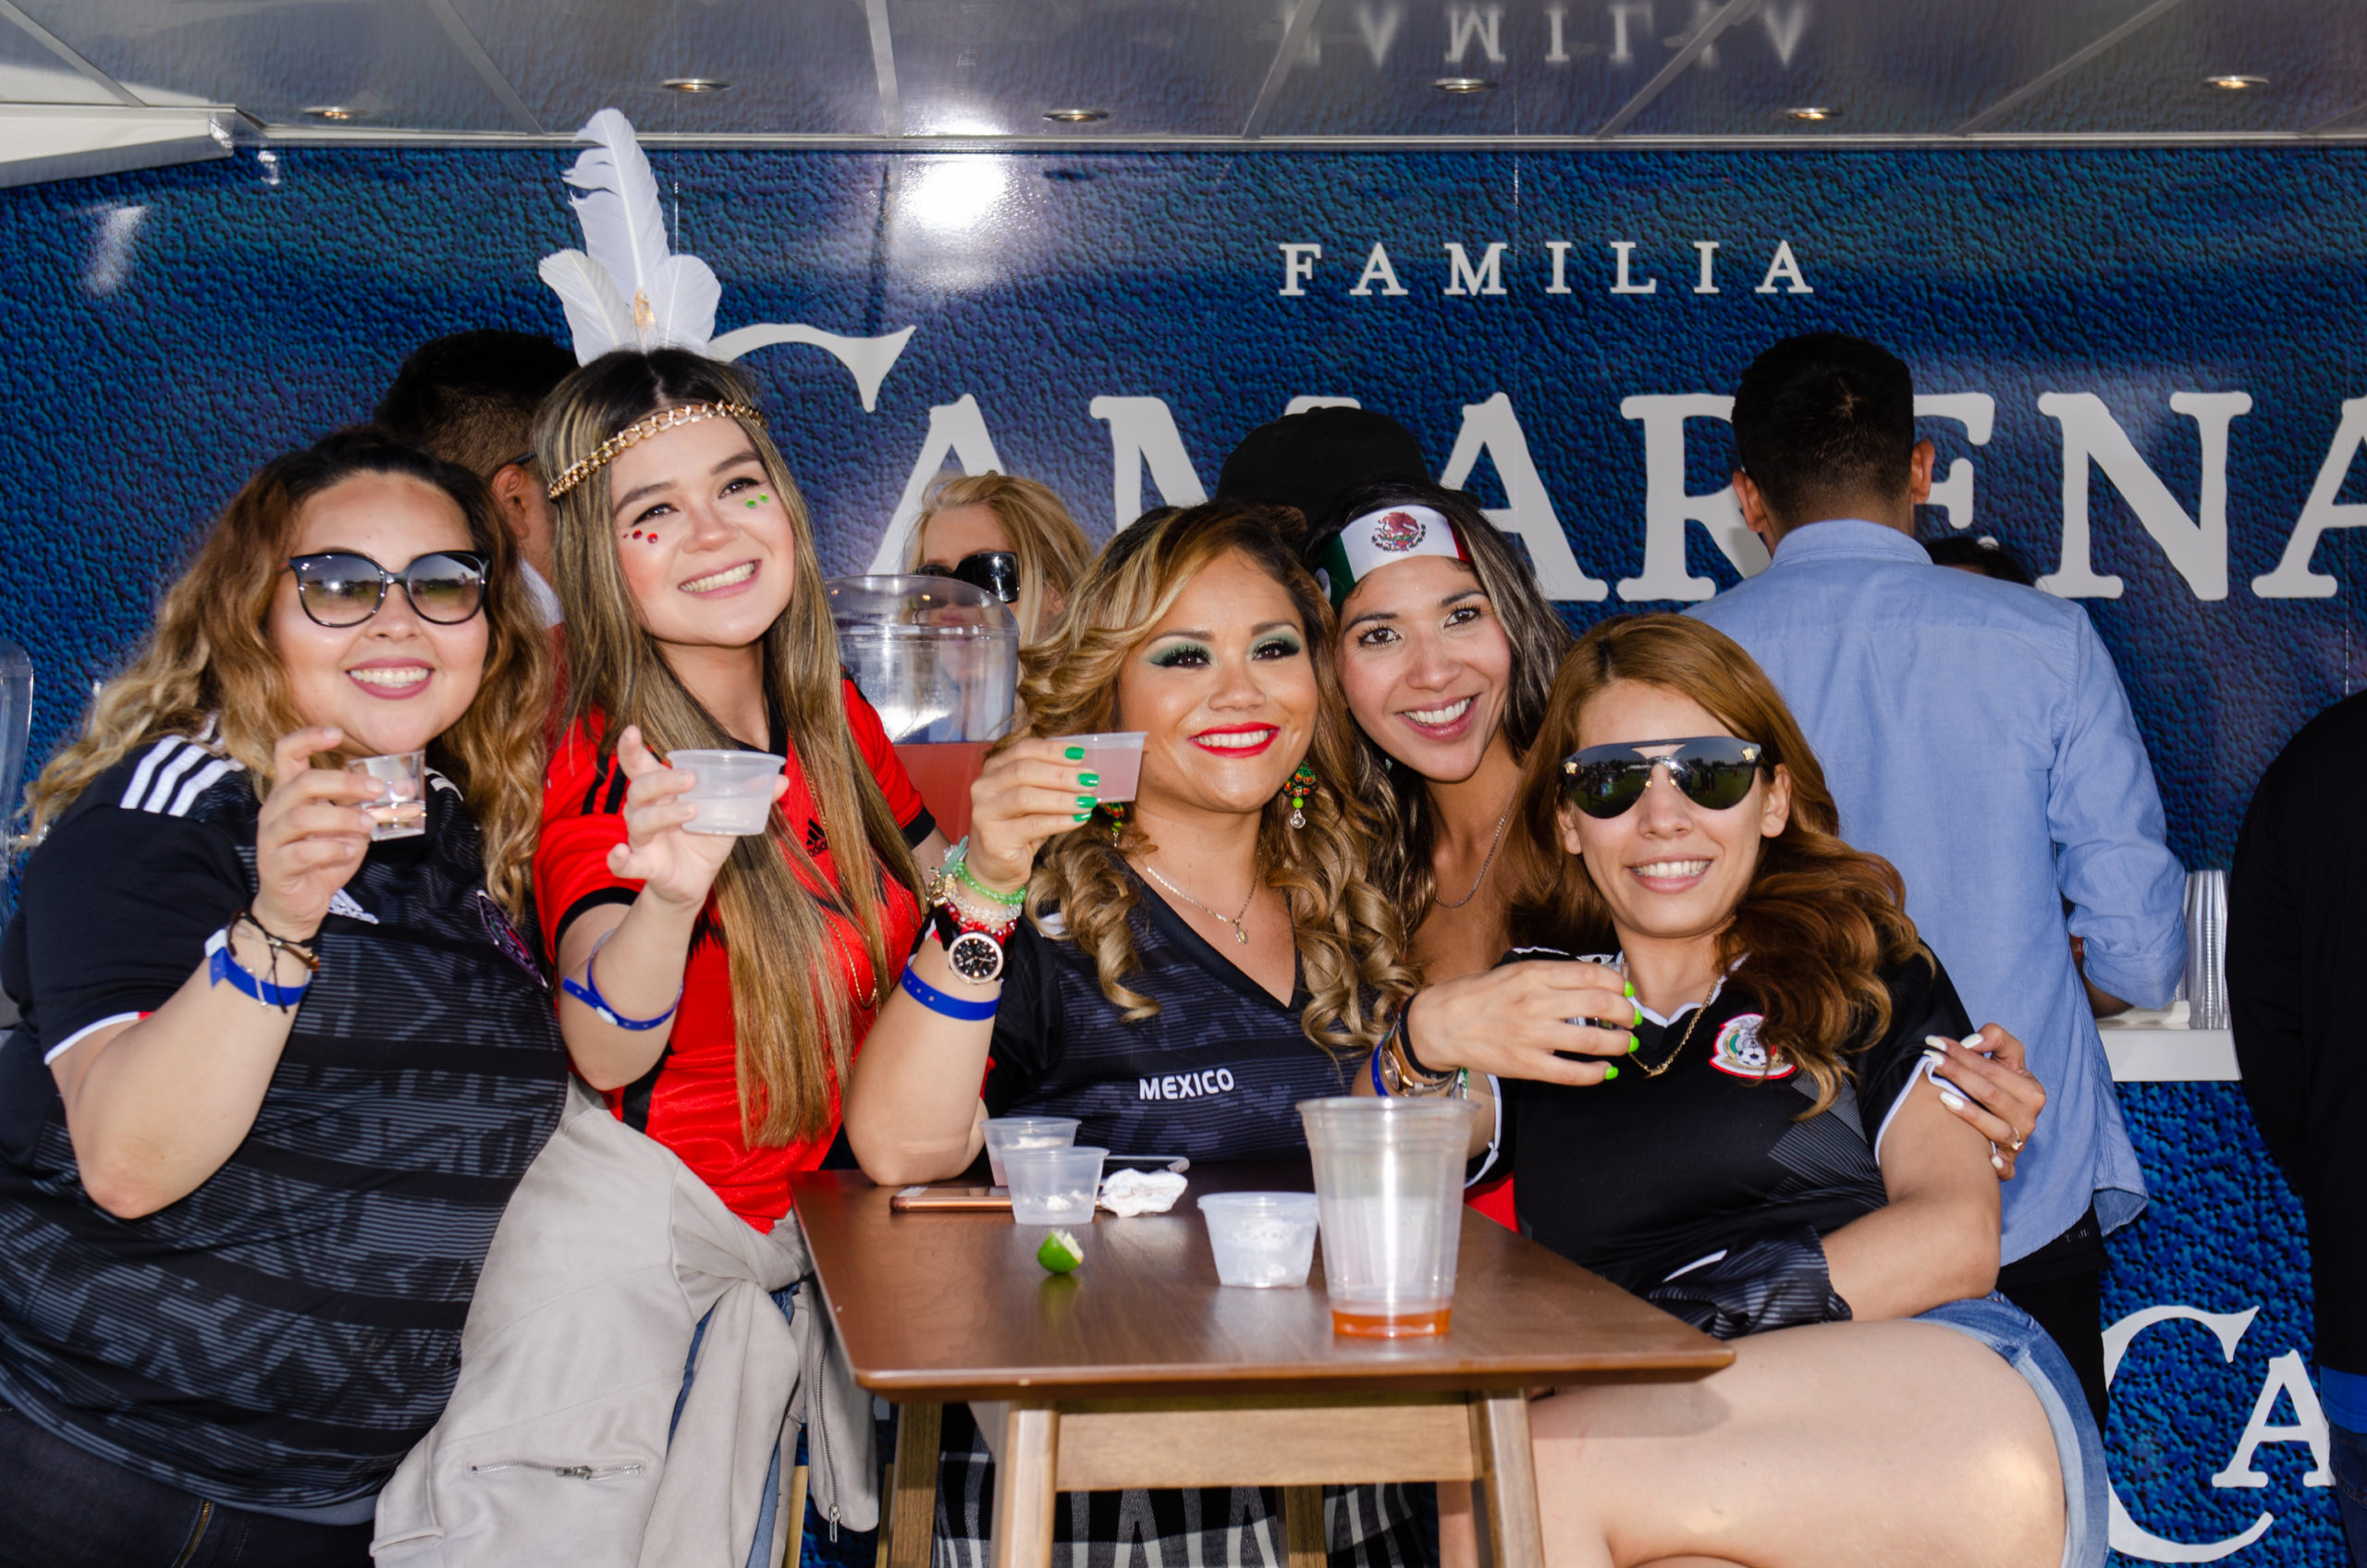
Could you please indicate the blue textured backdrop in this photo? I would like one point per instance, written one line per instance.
(169, 329)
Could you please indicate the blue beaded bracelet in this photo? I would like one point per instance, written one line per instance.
(936, 1002)
(589, 995)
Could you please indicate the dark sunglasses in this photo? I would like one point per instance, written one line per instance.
(1714, 771)
(995, 570)
(345, 587)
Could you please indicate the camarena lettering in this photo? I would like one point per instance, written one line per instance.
(1622, 270)
(1185, 1086)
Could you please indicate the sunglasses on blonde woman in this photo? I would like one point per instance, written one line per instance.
(340, 588)
(1714, 771)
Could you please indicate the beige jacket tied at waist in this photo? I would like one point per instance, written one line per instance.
(554, 1448)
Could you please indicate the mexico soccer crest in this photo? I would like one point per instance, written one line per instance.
(1738, 1053)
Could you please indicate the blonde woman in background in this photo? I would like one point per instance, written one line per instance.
(1009, 536)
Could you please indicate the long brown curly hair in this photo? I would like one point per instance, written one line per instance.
(1819, 922)
(209, 657)
(791, 1016)
(1348, 935)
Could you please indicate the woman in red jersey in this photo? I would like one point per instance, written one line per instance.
(715, 988)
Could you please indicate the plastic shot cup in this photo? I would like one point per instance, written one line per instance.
(1388, 1184)
(733, 790)
(1116, 756)
(1261, 1239)
(400, 809)
(1005, 1132)
(1053, 1186)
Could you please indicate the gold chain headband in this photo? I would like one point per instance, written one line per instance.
(633, 434)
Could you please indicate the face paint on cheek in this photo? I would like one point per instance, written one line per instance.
(759, 501)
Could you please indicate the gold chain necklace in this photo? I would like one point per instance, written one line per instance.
(1686, 1039)
(1493, 845)
(1233, 920)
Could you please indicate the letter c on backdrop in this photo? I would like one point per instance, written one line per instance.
(2126, 1534)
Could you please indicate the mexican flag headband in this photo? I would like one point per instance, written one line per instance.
(1372, 541)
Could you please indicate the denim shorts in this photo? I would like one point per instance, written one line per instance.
(2011, 1333)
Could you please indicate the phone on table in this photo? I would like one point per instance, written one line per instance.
(941, 1200)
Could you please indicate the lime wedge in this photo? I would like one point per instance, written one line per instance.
(1059, 1252)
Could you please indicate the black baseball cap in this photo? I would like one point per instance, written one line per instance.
(1308, 460)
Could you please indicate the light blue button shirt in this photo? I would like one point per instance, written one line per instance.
(1976, 735)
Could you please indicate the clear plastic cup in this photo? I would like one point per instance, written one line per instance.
(400, 810)
(1053, 1186)
(1117, 756)
(1026, 1133)
(1389, 1181)
(1261, 1239)
(733, 790)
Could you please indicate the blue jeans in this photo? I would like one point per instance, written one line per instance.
(768, 1513)
(2078, 1447)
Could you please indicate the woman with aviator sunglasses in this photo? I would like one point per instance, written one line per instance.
(275, 1081)
(1771, 1162)
(1009, 536)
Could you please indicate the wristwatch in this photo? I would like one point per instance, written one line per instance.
(973, 951)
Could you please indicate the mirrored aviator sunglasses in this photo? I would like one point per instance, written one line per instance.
(996, 571)
(1714, 771)
(340, 588)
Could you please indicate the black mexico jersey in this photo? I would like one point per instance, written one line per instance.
(1641, 1176)
(282, 1335)
(1217, 1074)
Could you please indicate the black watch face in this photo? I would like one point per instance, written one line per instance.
(975, 957)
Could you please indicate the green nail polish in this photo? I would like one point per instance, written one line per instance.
(1074, 753)
(1634, 1043)
(1087, 801)
(1610, 1073)
(1639, 1015)
(1082, 817)
(1088, 779)
(1631, 987)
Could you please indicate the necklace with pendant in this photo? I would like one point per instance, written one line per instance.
(1683, 1040)
(1233, 920)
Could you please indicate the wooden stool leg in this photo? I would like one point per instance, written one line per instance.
(1505, 1504)
(1302, 1525)
(795, 1549)
(911, 1507)
(1023, 1492)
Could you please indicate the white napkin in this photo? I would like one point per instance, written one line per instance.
(1129, 1193)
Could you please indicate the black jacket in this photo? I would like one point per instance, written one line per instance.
(2297, 947)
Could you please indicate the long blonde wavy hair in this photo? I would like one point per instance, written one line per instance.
(1348, 935)
(792, 1017)
(1052, 550)
(209, 658)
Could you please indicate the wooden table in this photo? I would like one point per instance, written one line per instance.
(1140, 1370)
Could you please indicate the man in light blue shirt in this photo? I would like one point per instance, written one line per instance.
(1976, 735)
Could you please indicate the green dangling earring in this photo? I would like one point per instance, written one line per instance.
(1301, 786)
(1117, 810)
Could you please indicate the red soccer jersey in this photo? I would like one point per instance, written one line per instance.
(689, 1101)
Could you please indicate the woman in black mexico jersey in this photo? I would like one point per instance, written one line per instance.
(275, 1082)
(1190, 965)
(1744, 1127)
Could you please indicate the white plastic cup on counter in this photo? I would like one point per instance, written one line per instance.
(1053, 1186)
(1006, 1133)
(1262, 1240)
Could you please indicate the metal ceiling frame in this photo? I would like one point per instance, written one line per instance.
(72, 57)
(1286, 54)
(1679, 63)
(464, 39)
(2066, 66)
(883, 61)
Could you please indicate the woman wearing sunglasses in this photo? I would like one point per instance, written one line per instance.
(1009, 536)
(1446, 654)
(275, 1081)
(1743, 1122)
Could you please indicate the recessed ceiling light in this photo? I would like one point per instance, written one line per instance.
(2235, 83)
(1464, 84)
(1076, 116)
(1811, 115)
(696, 84)
(328, 112)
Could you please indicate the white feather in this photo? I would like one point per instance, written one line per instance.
(670, 299)
(597, 318)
